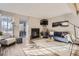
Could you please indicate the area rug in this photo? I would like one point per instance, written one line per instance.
(39, 52)
(48, 51)
(44, 48)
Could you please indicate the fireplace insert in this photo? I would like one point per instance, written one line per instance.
(35, 33)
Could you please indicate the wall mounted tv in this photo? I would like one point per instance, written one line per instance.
(44, 22)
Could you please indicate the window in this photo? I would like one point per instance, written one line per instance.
(6, 24)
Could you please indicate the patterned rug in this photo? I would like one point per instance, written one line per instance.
(44, 48)
(39, 52)
(47, 51)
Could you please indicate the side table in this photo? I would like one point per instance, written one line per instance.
(19, 40)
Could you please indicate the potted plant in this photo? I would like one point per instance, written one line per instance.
(1, 34)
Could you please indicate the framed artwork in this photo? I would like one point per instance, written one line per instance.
(60, 23)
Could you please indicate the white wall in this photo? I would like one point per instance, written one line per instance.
(35, 23)
(58, 19)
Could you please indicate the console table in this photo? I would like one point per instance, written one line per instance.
(19, 40)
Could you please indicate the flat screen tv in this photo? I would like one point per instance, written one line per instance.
(44, 22)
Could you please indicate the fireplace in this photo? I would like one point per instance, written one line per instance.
(35, 33)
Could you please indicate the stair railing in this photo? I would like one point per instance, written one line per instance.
(72, 44)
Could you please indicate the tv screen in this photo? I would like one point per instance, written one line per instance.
(44, 22)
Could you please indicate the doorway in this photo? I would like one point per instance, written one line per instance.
(23, 25)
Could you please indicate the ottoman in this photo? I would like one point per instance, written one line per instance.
(19, 40)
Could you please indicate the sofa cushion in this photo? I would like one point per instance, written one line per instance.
(61, 39)
(8, 41)
(59, 34)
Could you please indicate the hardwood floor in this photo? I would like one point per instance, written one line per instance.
(60, 48)
(44, 47)
(13, 50)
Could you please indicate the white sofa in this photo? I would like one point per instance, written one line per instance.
(8, 41)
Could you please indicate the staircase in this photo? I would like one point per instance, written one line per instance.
(76, 41)
(75, 27)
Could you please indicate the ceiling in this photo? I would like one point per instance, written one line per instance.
(37, 9)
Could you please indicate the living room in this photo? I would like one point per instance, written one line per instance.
(34, 26)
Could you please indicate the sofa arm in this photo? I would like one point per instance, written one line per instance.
(3, 42)
(10, 41)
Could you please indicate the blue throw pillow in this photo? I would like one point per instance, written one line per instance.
(58, 34)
